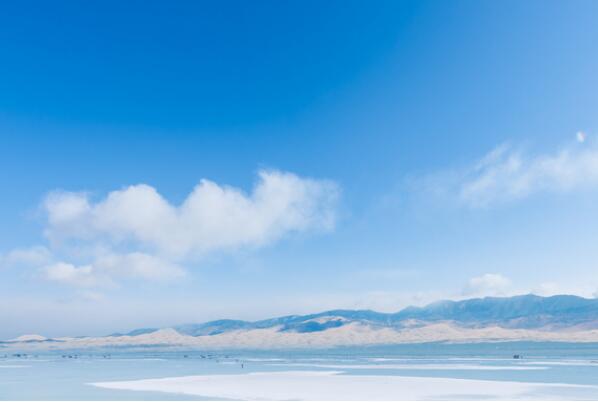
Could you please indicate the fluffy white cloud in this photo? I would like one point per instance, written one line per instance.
(506, 174)
(69, 274)
(213, 217)
(136, 233)
(487, 285)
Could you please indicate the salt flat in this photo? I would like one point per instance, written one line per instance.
(334, 385)
(420, 366)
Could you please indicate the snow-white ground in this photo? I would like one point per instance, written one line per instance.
(424, 366)
(333, 385)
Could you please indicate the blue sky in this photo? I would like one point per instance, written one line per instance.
(358, 155)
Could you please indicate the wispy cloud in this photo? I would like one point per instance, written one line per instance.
(109, 267)
(507, 174)
(36, 255)
(496, 284)
(136, 233)
(487, 285)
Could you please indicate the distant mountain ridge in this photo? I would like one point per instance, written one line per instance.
(517, 312)
(526, 311)
(528, 317)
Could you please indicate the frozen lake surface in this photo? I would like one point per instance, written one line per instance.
(425, 371)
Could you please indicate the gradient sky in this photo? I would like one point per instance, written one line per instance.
(425, 150)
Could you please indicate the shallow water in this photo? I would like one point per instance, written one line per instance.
(56, 376)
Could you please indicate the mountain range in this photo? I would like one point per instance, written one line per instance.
(525, 317)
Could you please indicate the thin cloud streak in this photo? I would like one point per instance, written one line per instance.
(507, 174)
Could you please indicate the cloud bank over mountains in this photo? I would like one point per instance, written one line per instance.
(135, 232)
(488, 285)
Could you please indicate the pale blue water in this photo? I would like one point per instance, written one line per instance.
(50, 376)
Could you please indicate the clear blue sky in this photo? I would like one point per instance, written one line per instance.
(454, 144)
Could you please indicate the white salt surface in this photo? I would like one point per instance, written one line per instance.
(423, 366)
(564, 363)
(331, 385)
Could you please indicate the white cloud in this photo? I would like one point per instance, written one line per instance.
(213, 217)
(500, 285)
(136, 233)
(487, 285)
(506, 174)
(105, 268)
(547, 289)
(32, 256)
(69, 274)
(138, 265)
